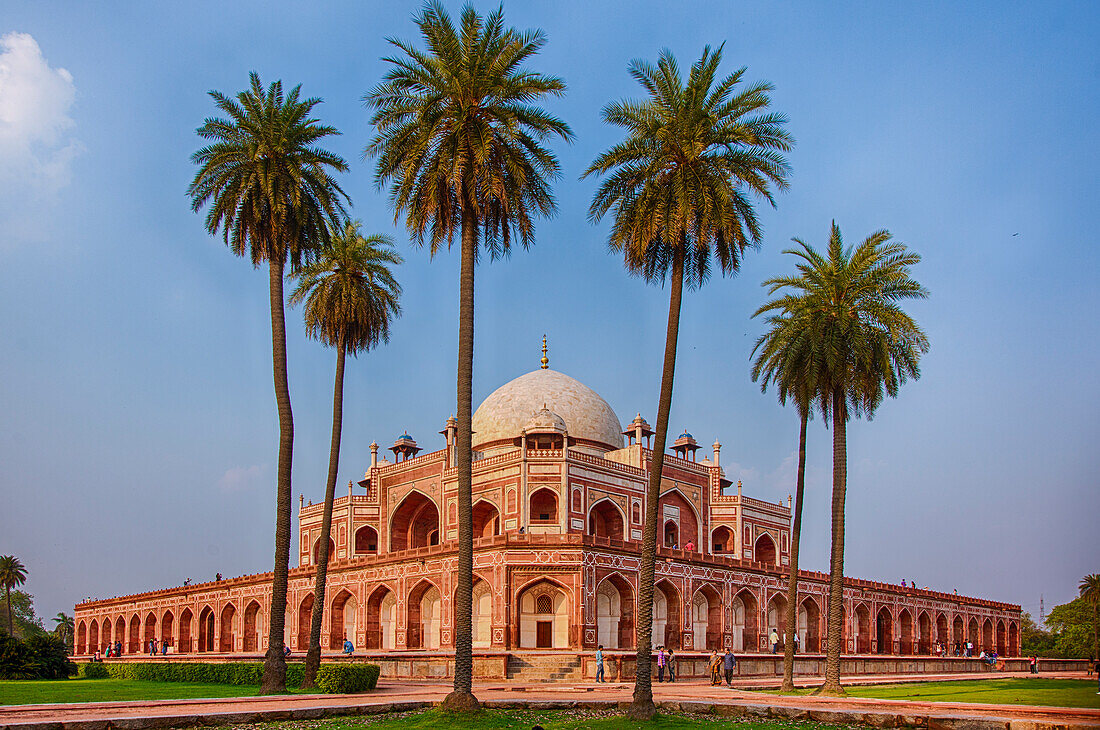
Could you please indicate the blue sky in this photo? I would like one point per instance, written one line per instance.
(138, 429)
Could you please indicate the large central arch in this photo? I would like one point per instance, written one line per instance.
(605, 519)
(615, 613)
(415, 523)
(543, 616)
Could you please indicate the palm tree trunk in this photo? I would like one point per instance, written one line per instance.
(642, 707)
(274, 678)
(792, 582)
(313, 656)
(462, 698)
(11, 623)
(836, 561)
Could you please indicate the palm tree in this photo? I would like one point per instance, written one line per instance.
(861, 346)
(350, 296)
(460, 139)
(64, 627)
(12, 573)
(786, 360)
(1090, 591)
(679, 187)
(271, 195)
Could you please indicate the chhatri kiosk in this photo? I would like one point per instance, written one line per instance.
(558, 503)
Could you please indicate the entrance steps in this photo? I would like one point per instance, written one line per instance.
(564, 667)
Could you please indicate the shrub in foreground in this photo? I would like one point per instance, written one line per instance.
(341, 679)
(331, 678)
(42, 656)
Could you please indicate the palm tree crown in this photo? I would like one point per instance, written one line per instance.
(1090, 591)
(458, 131)
(266, 180)
(842, 326)
(680, 183)
(350, 294)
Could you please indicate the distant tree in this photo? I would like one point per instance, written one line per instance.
(1034, 639)
(864, 346)
(271, 195)
(21, 616)
(63, 627)
(680, 190)
(350, 296)
(1072, 626)
(461, 141)
(1090, 591)
(12, 573)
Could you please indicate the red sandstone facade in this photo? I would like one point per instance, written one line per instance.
(558, 506)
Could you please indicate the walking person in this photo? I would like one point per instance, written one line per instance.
(660, 663)
(1033, 664)
(774, 639)
(729, 661)
(599, 663)
(715, 667)
(796, 642)
(671, 663)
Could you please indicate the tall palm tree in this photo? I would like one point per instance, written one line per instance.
(271, 195)
(861, 346)
(785, 360)
(64, 627)
(1090, 591)
(350, 296)
(12, 573)
(460, 140)
(679, 188)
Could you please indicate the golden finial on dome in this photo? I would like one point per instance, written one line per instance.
(545, 360)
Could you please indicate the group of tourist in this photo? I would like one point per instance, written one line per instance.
(777, 641)
(722, 664)
(718, 665)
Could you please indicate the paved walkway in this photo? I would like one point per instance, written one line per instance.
(694, 696)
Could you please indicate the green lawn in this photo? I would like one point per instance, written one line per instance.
(523, 719)
(43, 691)
(1013, 691)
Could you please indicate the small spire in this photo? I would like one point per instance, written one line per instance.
(545, 360)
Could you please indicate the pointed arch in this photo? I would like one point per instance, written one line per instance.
(342, 619)
(924, 633)
(317, 551)
(253, 626)
(366, 540)
(486, 519)
(167, 620)
(722, 540)
(120, 634)
(226, 628)
(81, 638)
(542, 611)
(305, 620)
(544, 506)
(381, 623)
(206, 629)
(706, 618)
(744, 619)
(777, 616)
(186, 619)
(884, 631)
(987, 635)
(1013, 639)
(862, 627)
(606, 519)
(675, 507)
(415, 522)
(666, 614)
(135, 634)
(1001, 638)
(93, 636)
(905, 632)
(615, 612)
(809, 625)
(423, 610)
(764, 550)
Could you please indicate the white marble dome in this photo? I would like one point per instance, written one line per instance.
(510, 408)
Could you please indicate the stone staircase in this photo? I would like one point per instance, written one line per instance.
(545, 667)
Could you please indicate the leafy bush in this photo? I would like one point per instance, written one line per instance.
(50, 657)
(347, 678)
(234, 673)
(42, 656)
(92, 671)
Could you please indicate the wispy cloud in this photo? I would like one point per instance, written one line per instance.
(37, 145)
(240, 478)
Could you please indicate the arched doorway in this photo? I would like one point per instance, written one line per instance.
(135, 634)
(958, 630)
(105, 632)
(342, 620)
(862, 626)
(744, 614)
(81, 638)
(483, 615)
(987, 635)
(150, 631)
(166, 627)
(721, 540)
(424, 616)
(93, 636)
(706, 619)
(317, 551)
(666, 615)
(305, 621)
(381, 619)
(905, 631)
(941, 631)
(486, 519)
(229, 613)
(1013, 639)
(615, 613)
(253, 626)
(366, 540)
(543, 616)
(1002, 639)
(120, 634)
(206, 629)
(672, 534)
(605, 520)
(884, 631)
(924, 633)
(673, 508)
(764, 550)
(544, 507)
(777, 618)
(186, 619)
(809, 623)
(415, 523)
(973, 634)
